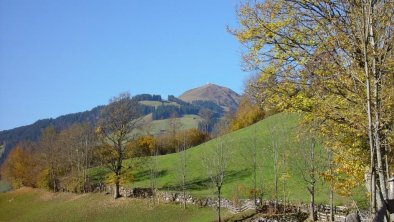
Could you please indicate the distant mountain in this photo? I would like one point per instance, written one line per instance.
(216, 98)
(222, 96)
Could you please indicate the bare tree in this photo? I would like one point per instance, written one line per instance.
(77, 142)
(274, 149)
(216, 163)
(174, 124)
(252, 156)
(182, 165)
(153, 171)
(308, 160)
(206, 115)
(275, 160)
(117, 121)
(51, 155)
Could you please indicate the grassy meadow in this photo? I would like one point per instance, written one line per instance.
(155, 127)
(27, 204)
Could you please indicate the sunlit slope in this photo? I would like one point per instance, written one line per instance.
(280, 128)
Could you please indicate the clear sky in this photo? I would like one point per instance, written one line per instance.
(64, 56)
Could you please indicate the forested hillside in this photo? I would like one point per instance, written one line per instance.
(160, 109)
(9, 138)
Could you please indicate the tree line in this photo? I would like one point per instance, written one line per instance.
(60, 160)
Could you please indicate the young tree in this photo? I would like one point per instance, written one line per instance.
(182, 164)
(216, 163)
(253, 155)
(275, 152)
(308, 161)
(117, 120)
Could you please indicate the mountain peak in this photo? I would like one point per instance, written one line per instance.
(220, 95)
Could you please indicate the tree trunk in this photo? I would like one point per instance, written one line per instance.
(184, 191)
(366, 23)
(116, 190)
(219, 204)
(312, 203)
(331, 201)
(276, 192)
(382, 195)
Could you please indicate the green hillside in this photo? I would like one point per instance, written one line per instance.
(281, 128)
(158, 103)
(154, 127)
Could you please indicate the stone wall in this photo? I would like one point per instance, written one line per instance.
(175, 197)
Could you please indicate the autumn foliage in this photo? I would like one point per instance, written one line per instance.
(247, 114)
(17, 169)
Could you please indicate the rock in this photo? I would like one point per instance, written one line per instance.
(353, 217)
(262, 219)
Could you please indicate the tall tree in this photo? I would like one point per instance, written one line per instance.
(51, 156)
(332, 60)
(18, 169)
(116, 122)
(77, 143)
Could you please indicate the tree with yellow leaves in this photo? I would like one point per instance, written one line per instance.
(333, 61)
(18, 168)
(246, 114)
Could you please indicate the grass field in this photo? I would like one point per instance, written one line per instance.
(155, 127)
(158, 103)
(281, 128)
(27, 204)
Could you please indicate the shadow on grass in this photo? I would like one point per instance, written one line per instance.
(199, 184)
(146, 175)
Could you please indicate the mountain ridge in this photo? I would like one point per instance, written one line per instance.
(220, 95)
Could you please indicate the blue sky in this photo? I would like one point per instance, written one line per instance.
(65, 56)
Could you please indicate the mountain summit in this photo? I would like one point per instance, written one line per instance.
(220, 95)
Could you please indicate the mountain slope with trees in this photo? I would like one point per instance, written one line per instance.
(148, 104)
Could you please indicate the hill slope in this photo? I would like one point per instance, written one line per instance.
(220, 95)
(280, 128)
